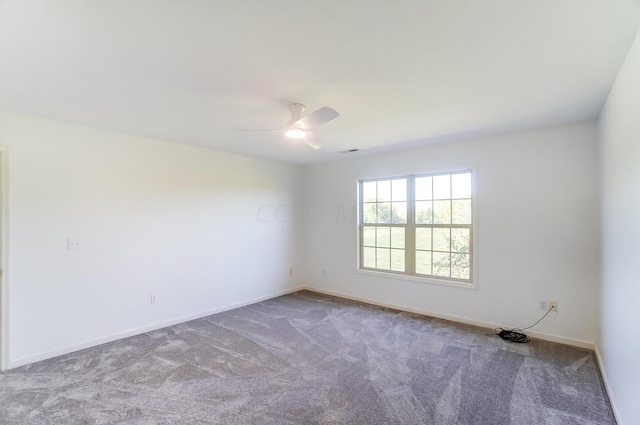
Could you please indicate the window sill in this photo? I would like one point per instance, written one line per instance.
(428, 280)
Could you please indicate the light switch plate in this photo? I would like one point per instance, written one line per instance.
(74, 243)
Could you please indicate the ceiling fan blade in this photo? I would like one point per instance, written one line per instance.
(259, 129)
(317, 118)
(313, 141)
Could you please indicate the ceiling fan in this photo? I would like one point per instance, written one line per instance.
(299, 126)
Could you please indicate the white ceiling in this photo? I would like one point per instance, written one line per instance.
(400, 73)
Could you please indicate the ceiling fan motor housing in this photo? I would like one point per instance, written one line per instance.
(296, 110)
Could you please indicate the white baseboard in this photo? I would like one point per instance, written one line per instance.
(606, 382)
(12, 364)
(465, 320)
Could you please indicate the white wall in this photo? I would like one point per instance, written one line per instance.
(205, 230)
(619, 346)
(538, 230)
(155, 217)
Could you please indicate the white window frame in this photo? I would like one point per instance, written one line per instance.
(410, 226)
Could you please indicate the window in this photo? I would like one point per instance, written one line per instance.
(418, 225)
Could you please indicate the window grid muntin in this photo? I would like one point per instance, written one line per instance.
(411, 226)
(376, 246)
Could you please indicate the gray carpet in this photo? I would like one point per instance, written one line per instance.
(311, 359)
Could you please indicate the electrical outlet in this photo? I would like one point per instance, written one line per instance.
(544, 305)
(152, 299)
(291, 271)
(553, 305)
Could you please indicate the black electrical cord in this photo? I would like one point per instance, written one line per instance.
(516, 334)
(512, 335)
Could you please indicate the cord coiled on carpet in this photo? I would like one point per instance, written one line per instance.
(516, 334)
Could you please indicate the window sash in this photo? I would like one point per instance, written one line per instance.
(410, 249)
